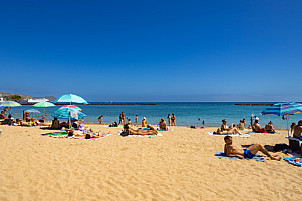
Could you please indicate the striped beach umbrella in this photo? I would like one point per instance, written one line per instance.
(68, 113)
(283, 109)
(71, 106)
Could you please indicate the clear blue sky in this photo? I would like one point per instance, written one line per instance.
(212, 50)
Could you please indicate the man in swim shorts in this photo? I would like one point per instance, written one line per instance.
(250, 152)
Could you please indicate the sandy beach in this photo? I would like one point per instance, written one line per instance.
(180, 165)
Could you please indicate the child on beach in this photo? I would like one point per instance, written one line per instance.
(100, 119)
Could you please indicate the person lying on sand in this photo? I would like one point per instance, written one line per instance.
(229, 130)
(130, 131)
(72, 132)
(250, 152)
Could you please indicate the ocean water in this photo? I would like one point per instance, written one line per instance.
(186, 113)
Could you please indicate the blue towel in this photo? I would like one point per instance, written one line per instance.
(294, 161)
(257, 157)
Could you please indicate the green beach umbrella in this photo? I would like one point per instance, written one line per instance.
(44, 104)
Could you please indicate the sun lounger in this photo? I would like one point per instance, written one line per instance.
(224, 134)
(257, 157)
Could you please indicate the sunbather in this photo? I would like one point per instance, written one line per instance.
(163, 124)
(231, 130)
(2, 117)
(144, 122)
(55, 124)
(298, 130)
(269, 127)
(241, 125)
(130, 131)
(256, 126)
(250, 152)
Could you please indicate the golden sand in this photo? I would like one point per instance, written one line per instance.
(180, 165)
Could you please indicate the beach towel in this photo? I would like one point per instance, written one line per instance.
(93, 138)
(257, 157)
(262, 133)
(294, 161)
(57, 134)
(150, 136)
(223, 134)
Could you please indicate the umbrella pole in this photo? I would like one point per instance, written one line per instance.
(287, 125)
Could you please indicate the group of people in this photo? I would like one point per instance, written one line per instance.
(235, 129)
(122, 120)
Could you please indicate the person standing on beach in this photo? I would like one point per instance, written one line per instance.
(173, 122)
(123, 118)
(136, 119)
(169, 119)
(100, 119)
(120, 119)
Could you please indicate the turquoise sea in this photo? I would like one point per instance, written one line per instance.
(186, 113)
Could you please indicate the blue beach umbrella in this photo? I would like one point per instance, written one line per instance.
(9, 104)
(283, 109)
(68, 113)
(32, 111)
(70, 98)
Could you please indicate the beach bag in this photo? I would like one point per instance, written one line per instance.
(124, 133)
(280, 147)
(262, 130)
(87, 136)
